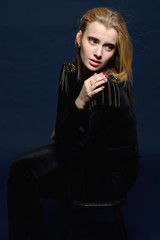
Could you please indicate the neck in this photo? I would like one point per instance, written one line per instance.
(85, 73)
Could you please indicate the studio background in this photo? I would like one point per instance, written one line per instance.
(36, 38)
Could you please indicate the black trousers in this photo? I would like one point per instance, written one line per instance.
(35, 174)
(64, 173)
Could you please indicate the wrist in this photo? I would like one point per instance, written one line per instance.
(80, 104)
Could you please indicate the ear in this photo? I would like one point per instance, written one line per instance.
(78, 38)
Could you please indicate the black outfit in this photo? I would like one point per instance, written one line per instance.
(95, 156)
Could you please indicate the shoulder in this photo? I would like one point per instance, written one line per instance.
(114, 93)
(70, 66)
(117, 90)
(68, 76)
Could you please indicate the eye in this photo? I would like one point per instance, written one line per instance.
(109, 47)
(92, 40)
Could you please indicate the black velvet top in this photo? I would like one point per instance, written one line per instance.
(105, 131)
(109, 120)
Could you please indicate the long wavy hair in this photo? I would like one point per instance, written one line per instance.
(121, 63)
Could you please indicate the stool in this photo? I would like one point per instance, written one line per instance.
(76, 206)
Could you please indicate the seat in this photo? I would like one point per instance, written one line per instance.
(97, 182)
(77, 206)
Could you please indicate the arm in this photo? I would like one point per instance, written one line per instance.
(111, 119)
(72, 101)
(68, 115)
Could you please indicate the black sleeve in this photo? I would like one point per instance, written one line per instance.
(112, 120)
(68, 115)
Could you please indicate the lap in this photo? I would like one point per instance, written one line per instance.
(41, 160)
(43, 166)
(61, 178)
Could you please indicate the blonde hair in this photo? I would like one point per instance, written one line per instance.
(121, 64)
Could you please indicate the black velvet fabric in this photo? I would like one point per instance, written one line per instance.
(98, 127)
(95, 157)
(34, 174)
(99, 143)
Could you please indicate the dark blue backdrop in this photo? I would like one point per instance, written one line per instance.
(36, 38)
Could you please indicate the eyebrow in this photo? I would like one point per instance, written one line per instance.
(109, 43)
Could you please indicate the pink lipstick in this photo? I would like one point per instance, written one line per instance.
(94, 63)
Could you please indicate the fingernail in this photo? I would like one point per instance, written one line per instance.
(105, 80)
(106, 75)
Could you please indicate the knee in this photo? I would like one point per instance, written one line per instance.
(21, 171)
(17, 167)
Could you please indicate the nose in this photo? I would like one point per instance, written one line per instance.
(98, 52)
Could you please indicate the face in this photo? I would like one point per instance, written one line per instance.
(97, 45)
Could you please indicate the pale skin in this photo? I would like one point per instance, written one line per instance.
(97, 46)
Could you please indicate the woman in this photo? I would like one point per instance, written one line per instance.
(95, 133)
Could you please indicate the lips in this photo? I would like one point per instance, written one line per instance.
(94, 63)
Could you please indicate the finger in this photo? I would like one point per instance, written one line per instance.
(97, 90)
(53, 134)
(53, 140)
(96, 78)
(99, 83)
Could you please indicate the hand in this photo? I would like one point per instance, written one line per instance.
(52, 137)
(90, 87)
